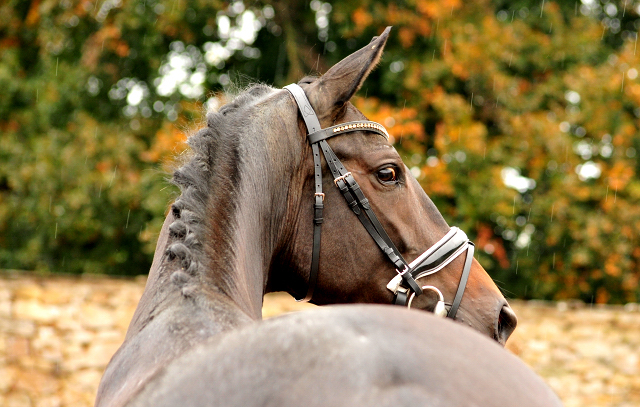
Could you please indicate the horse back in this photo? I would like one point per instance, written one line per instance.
(345, 356)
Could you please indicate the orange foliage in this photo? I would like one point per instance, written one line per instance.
(633, 90)
(104, 166)
(620, 175)
(108, 37)
(612, 265)
(471, 137)
(362, 19)
(400, 122)
(33, 16)
(486, 237)
(460, 70)
(630, 282)
(407, 36)
(168, 142)
(420, 21)
(602, 296)
(437, 180)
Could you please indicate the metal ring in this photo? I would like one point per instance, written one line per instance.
(439, 310)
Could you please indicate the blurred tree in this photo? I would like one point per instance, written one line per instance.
(520, 119)
(97, 98)
(537, 101)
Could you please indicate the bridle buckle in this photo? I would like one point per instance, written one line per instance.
(320, 194)
(341, 178)
(406, 269)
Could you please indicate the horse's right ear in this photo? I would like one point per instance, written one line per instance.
(331, 91)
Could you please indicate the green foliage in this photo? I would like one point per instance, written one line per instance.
(520, 118)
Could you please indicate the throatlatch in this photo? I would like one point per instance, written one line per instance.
(404, 285)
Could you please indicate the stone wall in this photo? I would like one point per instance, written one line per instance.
(58, 333)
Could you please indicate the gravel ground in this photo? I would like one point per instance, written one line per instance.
(589, 355)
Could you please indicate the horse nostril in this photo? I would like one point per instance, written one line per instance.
(507, 322)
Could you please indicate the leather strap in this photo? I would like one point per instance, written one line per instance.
(304, 107)
(463, 282)
(318, 208)
(313, 125)
(400, 298)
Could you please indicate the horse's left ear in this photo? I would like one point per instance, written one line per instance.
(331, 91)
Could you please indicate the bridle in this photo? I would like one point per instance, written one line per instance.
(404, 285)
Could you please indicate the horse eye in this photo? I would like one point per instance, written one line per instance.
(387, 175)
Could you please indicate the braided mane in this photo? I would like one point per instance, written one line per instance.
(212, 168)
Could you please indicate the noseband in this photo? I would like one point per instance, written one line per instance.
(404, 285)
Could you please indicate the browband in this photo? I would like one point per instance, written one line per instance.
(347, 127)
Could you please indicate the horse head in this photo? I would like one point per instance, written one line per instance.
(353, 265)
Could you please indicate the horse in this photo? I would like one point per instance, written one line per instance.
(241, 228)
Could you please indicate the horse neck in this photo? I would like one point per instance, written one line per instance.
(239, 232)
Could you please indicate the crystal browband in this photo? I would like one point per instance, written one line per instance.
(345, 128)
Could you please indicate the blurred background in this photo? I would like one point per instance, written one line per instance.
(519, 118)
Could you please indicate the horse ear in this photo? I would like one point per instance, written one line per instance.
(331, 91)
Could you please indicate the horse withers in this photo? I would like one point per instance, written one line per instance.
(244, 226)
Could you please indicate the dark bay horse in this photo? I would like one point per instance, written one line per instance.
(242, 227)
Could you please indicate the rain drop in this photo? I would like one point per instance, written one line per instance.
(113, 176)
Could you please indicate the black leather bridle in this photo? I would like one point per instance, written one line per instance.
(404, 285)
